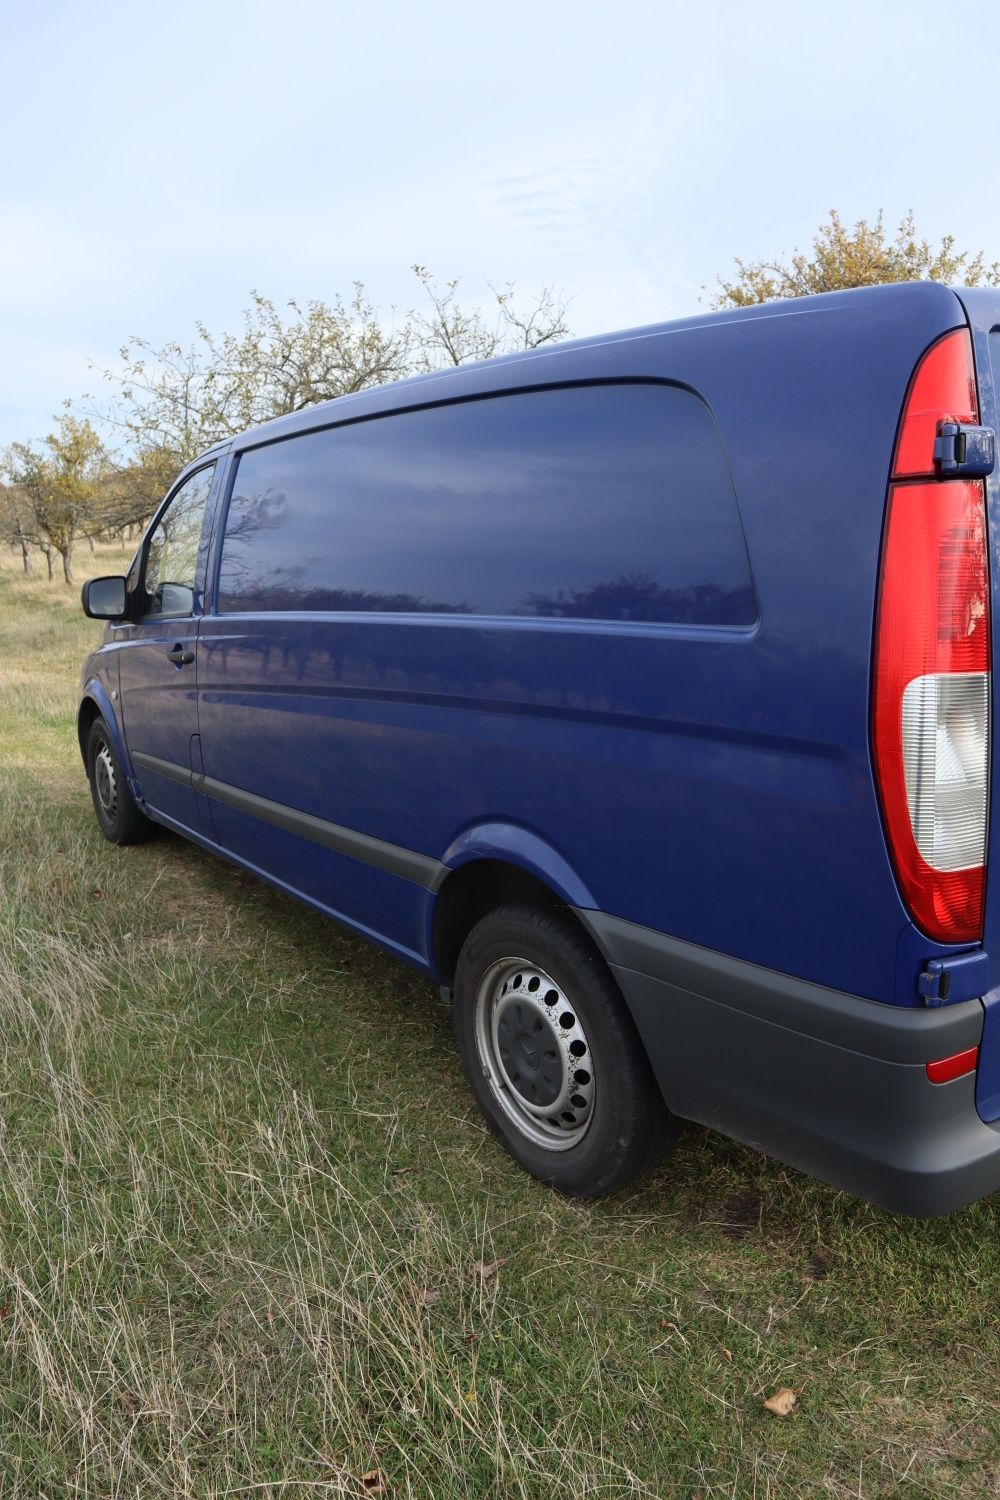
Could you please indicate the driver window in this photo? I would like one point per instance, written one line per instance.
(172, 551)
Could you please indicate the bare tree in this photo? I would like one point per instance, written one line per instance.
(452, 335)
(178, 400)
(130, 488)
(17, 522)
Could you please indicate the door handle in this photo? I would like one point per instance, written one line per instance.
(180, 657)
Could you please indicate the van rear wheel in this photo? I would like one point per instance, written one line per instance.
(552, 1056)
(118, 815)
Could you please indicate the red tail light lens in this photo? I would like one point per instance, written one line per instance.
(932, 664)
(943, 389)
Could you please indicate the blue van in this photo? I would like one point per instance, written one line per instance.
(638, 691)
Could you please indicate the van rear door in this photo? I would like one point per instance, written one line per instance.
(982, 307)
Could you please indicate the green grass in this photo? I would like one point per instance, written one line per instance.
(246, 1207)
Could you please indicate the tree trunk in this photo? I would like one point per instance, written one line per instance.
(47, 549)
(67, 562)
(25, 554)
(90, 539)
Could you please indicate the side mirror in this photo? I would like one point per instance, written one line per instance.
(176, 599)
(104, 598)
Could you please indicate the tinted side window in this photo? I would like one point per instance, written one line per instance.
(172, 550)
(606, 502)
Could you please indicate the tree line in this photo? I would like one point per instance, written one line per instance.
(104, 469)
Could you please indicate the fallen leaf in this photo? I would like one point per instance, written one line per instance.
(485, 1269)
(781, 1402)
(729, 1354)
(97, 893)
(373, 1483)
(428, 1297)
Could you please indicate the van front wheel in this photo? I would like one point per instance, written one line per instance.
(118, 816)
(552, 1056)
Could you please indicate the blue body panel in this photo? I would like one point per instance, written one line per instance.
(99, 690)
(160, 710)
(714, 784)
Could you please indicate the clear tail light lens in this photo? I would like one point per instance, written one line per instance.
(945, 761)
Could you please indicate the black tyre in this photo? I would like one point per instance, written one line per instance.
(552, 1055)
(118, 817)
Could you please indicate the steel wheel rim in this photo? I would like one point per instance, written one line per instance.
(535, 1053)
(105, 781)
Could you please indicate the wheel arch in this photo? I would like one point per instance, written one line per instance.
(469, 893)
(96, 704)
(86, 714)
(494, 864)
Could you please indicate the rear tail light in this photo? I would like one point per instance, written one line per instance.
(943, 389)
(932, 660)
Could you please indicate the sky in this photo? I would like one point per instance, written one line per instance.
(159, 161)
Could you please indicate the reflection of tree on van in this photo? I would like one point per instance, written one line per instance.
(248, 585)
(264, 512)
(262, 570)
(638, 596)
(370, 600)
(251, 590)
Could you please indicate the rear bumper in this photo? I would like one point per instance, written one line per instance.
(830, 1083)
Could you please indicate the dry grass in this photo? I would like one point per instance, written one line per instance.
(254, 1240)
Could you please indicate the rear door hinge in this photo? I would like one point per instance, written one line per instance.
(960, 448)
(934, 984)
(963, 976)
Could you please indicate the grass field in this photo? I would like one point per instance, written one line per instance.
(255, 1241)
